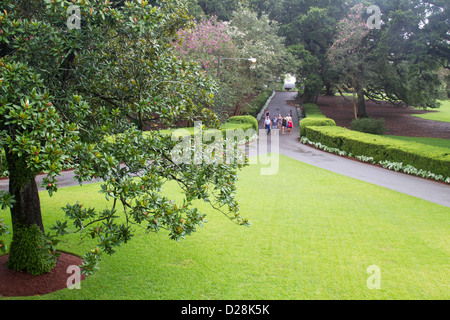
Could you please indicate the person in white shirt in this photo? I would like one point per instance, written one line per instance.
(268, 124)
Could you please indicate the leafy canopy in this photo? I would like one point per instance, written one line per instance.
(82, 98)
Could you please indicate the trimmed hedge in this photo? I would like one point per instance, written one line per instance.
(244, 119)
(315, 122)
(420, 156)
(369, 125)
(314, 117)
(241, 126)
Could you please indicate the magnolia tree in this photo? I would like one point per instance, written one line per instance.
(80, 81)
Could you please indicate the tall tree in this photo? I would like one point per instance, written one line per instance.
(392, 62)
(206, 43)
(80, 96)
(213, 44)
(309, 28)
(258, 37)
(223, 9)
(414, 46)
(351, 57)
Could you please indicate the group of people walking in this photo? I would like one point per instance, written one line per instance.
(284, 124)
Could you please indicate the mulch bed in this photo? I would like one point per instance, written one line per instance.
(398, 120)
(22, 284)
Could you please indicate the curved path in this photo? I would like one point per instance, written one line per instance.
(291, 147)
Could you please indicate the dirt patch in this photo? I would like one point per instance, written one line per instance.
(398, 120)
(22, 284)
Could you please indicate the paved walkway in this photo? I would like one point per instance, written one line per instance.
(291, 147)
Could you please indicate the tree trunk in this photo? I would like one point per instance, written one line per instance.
(354, 99)
(329, 88)
(27, 208)
(27, 247)
(362, 113)
(355, 106)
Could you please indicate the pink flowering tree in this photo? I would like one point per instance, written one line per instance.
(206, 43)
(350, 56)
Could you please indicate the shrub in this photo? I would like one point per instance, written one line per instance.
(245, 119)
(256, 106)
(315, 122)
(30, 251)
(242, 128)
(3, 165)
(369, 125)
(313, 85)
(314, 117)
(396, 166)
(420, 156)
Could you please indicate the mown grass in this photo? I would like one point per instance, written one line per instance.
(435, 142)
(442, 114)
(312, 111)
(314, 233)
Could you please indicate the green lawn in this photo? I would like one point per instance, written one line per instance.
(441, 114)
(435, 142)
(313, 235)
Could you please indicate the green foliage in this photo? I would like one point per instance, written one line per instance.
(314, 117)
(256, 106)
(258, 36)
(4, 230)
(441, 114)
(31, 251)
(369, 125)
(420, 156)
(389, 60)
(32, 128)
(395, 166)
(222, 9)
(309, 27)
(223, 49)
(311, 110)
(315, 122)
(65, 92)
(312, 87)
(245, 119)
